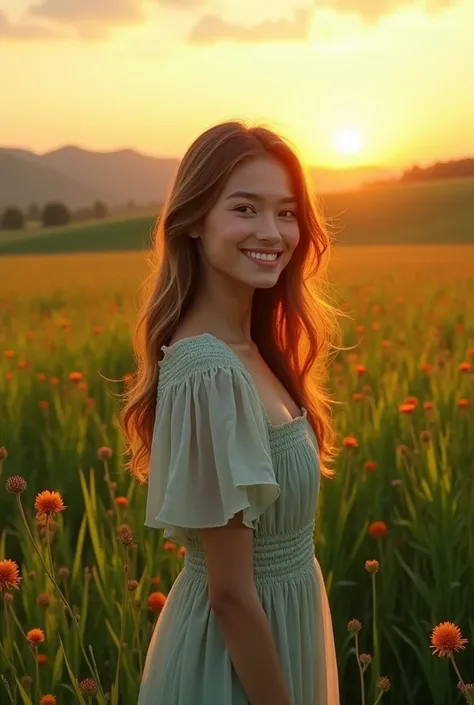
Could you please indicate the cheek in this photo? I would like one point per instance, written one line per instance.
(292, 240)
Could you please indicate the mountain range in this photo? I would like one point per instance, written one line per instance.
(79, 177)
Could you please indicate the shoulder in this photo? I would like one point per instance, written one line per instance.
(195, 354)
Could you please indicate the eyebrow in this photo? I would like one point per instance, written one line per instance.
(258, 197)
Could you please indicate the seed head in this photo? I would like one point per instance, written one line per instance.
(354, 626)
(16, 484)
(365, 659)
(372, 566)
(383, 684)
(88, 687)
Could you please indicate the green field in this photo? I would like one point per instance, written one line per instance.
(413, 322)
(423, 212)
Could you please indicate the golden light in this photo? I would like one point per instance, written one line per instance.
(348, 141)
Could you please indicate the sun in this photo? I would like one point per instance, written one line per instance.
(348, 141)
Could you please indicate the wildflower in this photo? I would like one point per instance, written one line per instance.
(411, 400)
(464, 366)
(446, 638)
(463, 403)
(132, 585)
(41, 376)
(35, 636)
(47, 700)
(9, 575)
(16, 484)
(378, 529)
(181, 551)
(3, 453)
(156, 580)
(372, 566)
(43, 599)
(121, 501)
(23, 364)
(168, 546)
(8, 597)
(43, 404)
(42, 659)
(54, 381)
(406, 408)
(471, 352)
(104, 453)
(126, 537)
(97, 330)
(386, 344)
(354, 626)
(26, 681)
(357, 396)
(428, 405)
(370, 466)
(426, 367)
(48, 504)
(88, 687)
(63, 572)
(365, 659)
(383, 684)
(156, 601)
(8, 354)
(76, 376)
(361, 370)
(350, 442)
(425, 436)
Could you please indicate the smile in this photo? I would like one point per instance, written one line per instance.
(266, 258)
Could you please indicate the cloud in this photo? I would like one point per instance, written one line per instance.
(373, 10)
(22, 31)
(91, 18)
(211, 29)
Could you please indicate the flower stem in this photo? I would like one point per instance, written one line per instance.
(38, 687)
(137, 637)
(122, 624)
(51, 577)
(361, 672)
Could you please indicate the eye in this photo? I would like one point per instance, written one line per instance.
(292, 214)
(237, 208)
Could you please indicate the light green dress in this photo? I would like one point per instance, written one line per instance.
(216, 453)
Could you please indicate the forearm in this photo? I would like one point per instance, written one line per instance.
(253, 652)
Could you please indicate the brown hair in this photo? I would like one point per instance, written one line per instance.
(293, 323)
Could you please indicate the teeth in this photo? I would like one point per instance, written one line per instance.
(258, 255)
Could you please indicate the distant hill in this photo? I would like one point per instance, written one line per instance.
(78, 177)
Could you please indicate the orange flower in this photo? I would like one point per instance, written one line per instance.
(43, 404)
(464, 366)
(48, 699)
(23, 364)
(35, 636)
(372, 566)
(370, 466)
(48, 504)
(82, 386)
(463, 403)
(8, 354)
(471, 352)
(156, 601)
(156, 580)
(76, 376)
(406, 408)
(97, 330)
(54, 380)
(121, 501)
(378, 529)
(357, 396)
(181, 551)
(350, 442)
(361, 369)
(41, 376)
(426, 367)
(169, 546)
(104, 453)
(9, 575)
(43, 599)
(411, 400)
(428, 405)
(446, 638)
(386, 344)
(42, 659)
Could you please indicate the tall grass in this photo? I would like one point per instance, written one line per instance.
(402, 496)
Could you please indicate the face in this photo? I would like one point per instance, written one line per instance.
(250, 234)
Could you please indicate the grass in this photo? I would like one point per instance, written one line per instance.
(412, 470)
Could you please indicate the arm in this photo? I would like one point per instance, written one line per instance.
(244, 624)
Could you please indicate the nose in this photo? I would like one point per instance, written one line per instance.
(269, 234)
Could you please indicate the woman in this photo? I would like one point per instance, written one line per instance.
(223, 425)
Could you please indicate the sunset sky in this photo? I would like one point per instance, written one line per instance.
(350, 82)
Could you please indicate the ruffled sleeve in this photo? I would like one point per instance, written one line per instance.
(210, 455)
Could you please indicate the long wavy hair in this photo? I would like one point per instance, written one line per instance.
(294, 324)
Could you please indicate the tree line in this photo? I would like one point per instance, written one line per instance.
(52, 214)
